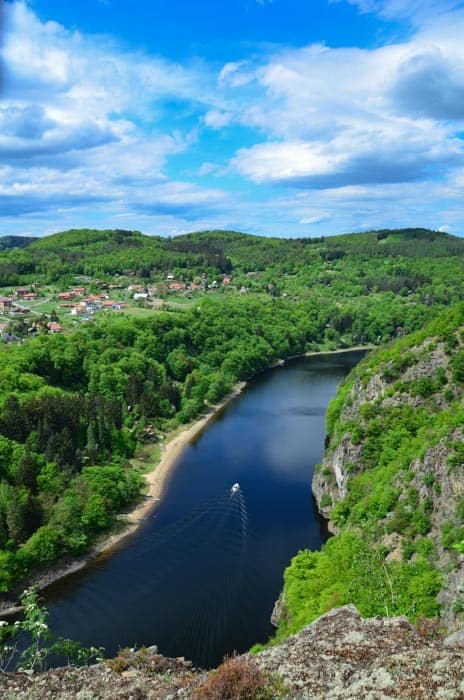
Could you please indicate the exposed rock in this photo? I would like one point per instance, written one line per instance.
(433, 475)
(339, 656)
(455, 638)
(278, 611)
(138, 675)
(331, 478)
(343, 656)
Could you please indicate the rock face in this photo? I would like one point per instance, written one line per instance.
(420, 379)
(330, 481)
(340, 655)
(132, 675)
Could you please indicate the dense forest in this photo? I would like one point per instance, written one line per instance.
(397, 261)
(74, 407)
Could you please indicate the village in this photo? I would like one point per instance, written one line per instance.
(29, 310)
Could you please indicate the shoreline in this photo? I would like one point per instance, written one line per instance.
(157, 481)
(342, 351)
(157, 478)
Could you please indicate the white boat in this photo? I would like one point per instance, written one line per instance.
(235, 489)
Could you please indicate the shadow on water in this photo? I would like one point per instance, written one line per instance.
(200, 577)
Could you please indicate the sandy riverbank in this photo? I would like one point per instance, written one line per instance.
(156, 479)
(342, 351)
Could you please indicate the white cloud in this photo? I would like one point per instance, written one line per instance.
(78, 123)
(348, 116)
(217, 119)
(317, 219)
(357, 135)
(370, 154)
(235, 74)
(415, 10)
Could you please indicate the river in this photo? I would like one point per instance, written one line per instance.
(201, 575)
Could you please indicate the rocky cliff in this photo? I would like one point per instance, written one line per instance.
(395, 460)
(340, 655)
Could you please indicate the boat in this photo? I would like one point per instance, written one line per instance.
(235, 489)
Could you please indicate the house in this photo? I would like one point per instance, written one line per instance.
(21, 291)
(65, 296)
(54, 327)
(78, 310)
(82, 278)
(226, 280)
(30, 296)
(5, 305)
(78, 291)
(139, 296)
(176, 286)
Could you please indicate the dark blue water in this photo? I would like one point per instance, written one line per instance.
(201, 576)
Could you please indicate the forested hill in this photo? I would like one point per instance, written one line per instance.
(76, 405)
(7, 242)
(110, 252)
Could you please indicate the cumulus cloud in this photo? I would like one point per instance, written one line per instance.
(358, 135)
(80, 122)
(317, 219)
(415, 10)
(217, 119)
(379, 153)
(430, 84)
(347, 116)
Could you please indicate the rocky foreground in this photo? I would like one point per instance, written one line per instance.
(339, 655)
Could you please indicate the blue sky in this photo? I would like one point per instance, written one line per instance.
(282, 117)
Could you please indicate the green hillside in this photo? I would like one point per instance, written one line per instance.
(74, 407)
(391, 484)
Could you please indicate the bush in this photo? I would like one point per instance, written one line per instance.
(239, 679)
(44, 546)
(351, 568)
(33, 629)
(326, 500)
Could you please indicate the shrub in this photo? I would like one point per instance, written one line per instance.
(428, 479)
(239, 679)
(326, 500)
(34, 629)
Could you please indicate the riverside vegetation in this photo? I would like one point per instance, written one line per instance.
(74, 408)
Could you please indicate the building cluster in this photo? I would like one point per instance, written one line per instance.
(12, 307)
(85, 306)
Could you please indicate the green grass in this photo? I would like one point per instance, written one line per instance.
(146, 458)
